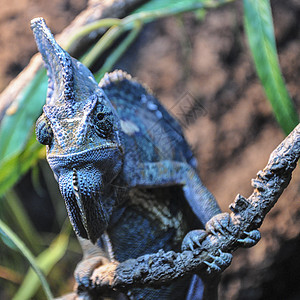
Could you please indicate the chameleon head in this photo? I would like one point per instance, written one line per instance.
(80, 127)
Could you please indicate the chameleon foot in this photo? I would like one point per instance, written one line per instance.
(192, 239)
(86, 267)
(104, 275)
(252, 238)
(219, 263)
(219, 224)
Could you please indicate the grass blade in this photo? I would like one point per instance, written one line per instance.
(46, 261)
(19, 149)
(17, 140)
(260, 33)
(118, 52)
(16, 165)
(11, 275)
(19, 219)
(8, 234)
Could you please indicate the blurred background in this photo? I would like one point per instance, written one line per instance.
(200, 67)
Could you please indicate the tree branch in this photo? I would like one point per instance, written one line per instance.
(96, 10)
(247, 214)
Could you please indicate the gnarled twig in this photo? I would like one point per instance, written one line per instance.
(96, 10)
(247, 214)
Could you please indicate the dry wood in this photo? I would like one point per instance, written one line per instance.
(163, 267)
(96, 10)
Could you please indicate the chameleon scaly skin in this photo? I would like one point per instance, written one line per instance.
(87, 148)
(81, 130)
(124, 169)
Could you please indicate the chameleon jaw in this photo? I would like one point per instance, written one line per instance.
(86, 205)
(82, 208)
(77, 194)
(84, 163)
(84, 182)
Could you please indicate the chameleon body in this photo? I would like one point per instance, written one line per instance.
(126, 173)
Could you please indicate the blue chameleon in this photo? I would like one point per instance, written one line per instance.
(124, 169)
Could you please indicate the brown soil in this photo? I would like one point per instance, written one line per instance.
(232, 129)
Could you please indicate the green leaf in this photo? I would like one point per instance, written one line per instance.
(18, 148)
(178, 5)
(12, 167)
(260, 33)
(20, 221)
(16, 126)
(46, 261)
(8, 234)
(118, 52)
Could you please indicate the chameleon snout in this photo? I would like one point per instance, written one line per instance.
(85, 187)
(85, 200)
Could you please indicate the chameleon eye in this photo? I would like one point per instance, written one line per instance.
(43, 130)
(104, 122)
(100, 116)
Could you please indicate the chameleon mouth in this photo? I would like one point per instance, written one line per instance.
(92, 225)
(85, 203)
(79, 202)
(85, 184)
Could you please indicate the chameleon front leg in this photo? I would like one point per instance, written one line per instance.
(168, 173)
(219, 225)
(93, 257)
(201, 201)
(97, 268)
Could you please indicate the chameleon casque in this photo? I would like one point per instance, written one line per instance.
(124, 169)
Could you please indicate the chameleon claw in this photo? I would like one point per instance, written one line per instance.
(254, 234)
(193, 239)
(197, 243)
(191, 245)
(212, 267)
(222, 231)
(252, 238)
(219, 224)
(220, 262)
(213, 232)
(226, 257)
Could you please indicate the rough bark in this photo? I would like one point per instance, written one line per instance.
(96, 10)
(247, 214)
